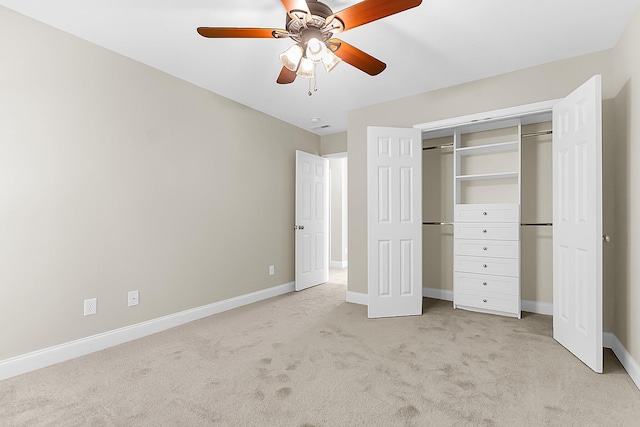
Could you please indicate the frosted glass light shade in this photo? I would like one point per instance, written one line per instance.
(291, 57)
(330, 60)
(306, 68)
(315, 49)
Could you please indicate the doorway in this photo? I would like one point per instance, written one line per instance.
(338, 218)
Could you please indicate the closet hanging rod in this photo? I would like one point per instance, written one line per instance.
(541, 133)
(437, 147)
(537, 224)
(437, 223)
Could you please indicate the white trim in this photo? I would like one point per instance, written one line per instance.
(609, 340)
(505, 113)
(339, 264)
(538, 307)
(81, 347)
(341, 155)
(437, 294)
(357, 298)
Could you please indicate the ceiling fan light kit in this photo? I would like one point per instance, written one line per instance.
(312, 25)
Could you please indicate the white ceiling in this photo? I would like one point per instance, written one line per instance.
(438, 44)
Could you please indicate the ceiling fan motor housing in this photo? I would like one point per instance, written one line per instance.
(319, 14)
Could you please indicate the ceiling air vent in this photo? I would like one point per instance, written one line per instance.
(320, 127)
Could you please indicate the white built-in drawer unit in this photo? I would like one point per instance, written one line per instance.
(487, 258)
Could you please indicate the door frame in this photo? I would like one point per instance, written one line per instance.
(332, 156)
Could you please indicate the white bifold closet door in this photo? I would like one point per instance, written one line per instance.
(577, 223)
(394, 194)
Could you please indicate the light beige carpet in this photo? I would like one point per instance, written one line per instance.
(311, 359)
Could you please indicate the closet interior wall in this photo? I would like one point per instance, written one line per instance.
(536, 207)
(437, 207)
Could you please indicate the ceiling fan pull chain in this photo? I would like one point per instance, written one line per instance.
(313, 82)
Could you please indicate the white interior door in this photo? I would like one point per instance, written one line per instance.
(577, 223)
(394, 194)
(312, 220)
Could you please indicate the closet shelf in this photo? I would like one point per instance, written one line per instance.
(500, 175)
(489, 148)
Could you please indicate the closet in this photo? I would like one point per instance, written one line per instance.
(493, 225)
(473, 187)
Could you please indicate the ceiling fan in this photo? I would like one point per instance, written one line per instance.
(312, 24)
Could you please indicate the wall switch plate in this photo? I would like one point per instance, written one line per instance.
(134, 298)
(272, 270)
(90, 306)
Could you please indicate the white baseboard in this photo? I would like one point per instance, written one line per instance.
(60, 353)
(338, 264)
(358, 298)
(446, 295)
(537, 307)
(609, 340)
(437, 294)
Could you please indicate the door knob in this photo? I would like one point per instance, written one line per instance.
(606, 238)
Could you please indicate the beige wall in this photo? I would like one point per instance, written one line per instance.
(626, 234)
(334, 143)
(115, 177)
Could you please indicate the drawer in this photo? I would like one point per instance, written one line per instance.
(486, 283)
(509, 304)
(487, 248)
(487, 213)
(484, 265)
(505, 231)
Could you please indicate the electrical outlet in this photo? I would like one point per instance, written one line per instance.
(272, 270)
(90, 306)
(134, 298)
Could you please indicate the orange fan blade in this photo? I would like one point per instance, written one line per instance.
(238, 33)
(286, 76)
(299, 5)
(372, 10)
(357, 58)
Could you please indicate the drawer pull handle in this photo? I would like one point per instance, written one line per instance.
(484, 283)
(484, 231)
(484, 265)
(484, 248)
(484, 213)
(484, 300)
